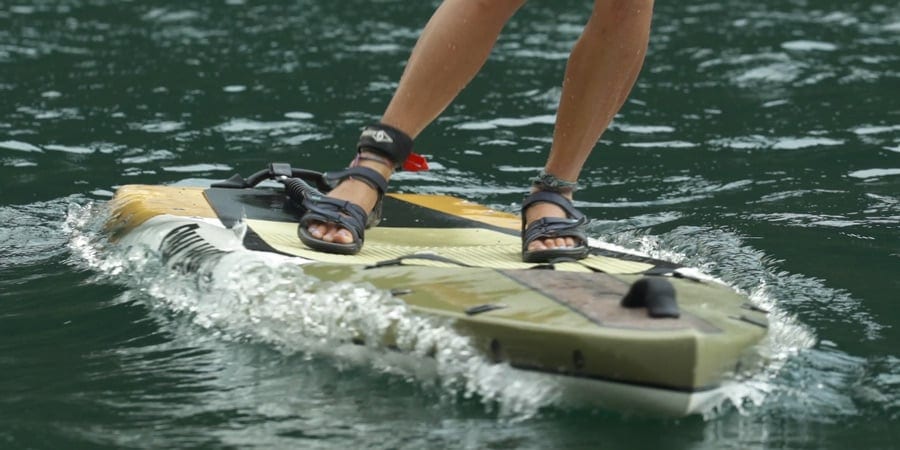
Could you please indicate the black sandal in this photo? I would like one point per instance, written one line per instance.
(574, 225)
(383, 140)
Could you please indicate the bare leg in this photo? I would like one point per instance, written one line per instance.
(452, 48)
(600, 73)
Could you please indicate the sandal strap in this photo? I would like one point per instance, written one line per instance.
(360, 156)
(387, 141)
(331, 210)
(362, 173)
(347, 215)
(350, 216)
(550, 197)
(573, 225)
(552, 227)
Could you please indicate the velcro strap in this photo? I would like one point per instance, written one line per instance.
(554, 198)
(364, 174)
(387, 141)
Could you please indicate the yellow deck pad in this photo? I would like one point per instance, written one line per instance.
(476, 247)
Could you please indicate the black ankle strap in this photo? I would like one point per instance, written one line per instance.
(387, 141)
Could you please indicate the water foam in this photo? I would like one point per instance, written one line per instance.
(247, 296)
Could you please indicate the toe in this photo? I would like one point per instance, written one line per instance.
(343, 236)
(328, 234)
(536, 245)
(549, 244)
(316, 230)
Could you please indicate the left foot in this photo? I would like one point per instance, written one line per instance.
(356, 192)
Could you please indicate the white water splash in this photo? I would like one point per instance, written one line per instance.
(248, 296)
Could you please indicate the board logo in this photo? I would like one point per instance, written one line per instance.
(377, 135)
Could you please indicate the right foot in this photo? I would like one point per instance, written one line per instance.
(541, 210)
(356, 192)
(552, 228)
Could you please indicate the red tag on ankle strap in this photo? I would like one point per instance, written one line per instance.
(415, 163)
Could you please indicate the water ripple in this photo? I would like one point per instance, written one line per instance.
(30, 234)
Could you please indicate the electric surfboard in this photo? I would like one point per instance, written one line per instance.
(621, 329)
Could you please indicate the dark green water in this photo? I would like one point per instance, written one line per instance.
(761, 144)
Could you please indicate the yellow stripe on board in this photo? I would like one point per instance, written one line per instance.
(463, 208)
